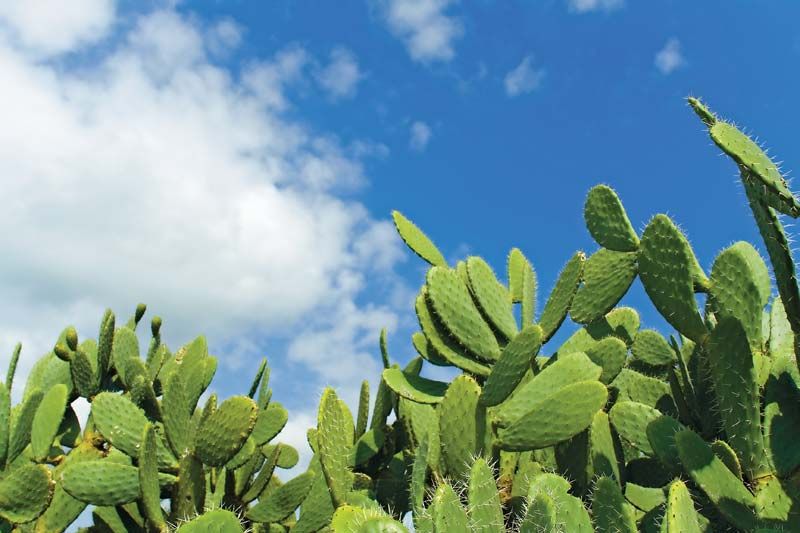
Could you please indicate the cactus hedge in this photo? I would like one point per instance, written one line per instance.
(616, 429)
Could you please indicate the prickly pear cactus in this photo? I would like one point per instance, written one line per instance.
(149, 458)
(617, 428)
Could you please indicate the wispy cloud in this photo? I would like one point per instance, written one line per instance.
(585, 6)
(669, 58)
(525, 78)
(420, 136)
(425, 27)
(340, 77)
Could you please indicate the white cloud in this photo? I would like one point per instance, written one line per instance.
(49, 27)
(341, 76)
(669, 58)
(154, 175)
(420, 136)
(424, 26)
(585, 6)
(524, 78)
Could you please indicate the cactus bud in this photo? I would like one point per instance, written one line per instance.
(72, 338)
(155, 325)
(62, 352)
(140, 309)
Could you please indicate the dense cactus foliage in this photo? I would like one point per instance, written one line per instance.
(618, 428)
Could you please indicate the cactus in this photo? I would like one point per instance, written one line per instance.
(617, 428)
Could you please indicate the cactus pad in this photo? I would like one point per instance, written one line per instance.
(607, 275)
(607, 221)
(223, 433)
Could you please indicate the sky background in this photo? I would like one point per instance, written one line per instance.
(234, 164)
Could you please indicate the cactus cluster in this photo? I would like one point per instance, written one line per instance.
(616, 429)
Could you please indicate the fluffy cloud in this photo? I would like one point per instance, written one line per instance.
(424, 26)
(341, 76)
(669, 58)
(585, 6)
(50, 27)
(524, 78)
(420, 136)
(153, 174)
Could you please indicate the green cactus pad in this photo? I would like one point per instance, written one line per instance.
(635, 386)
(607, 221)
(667, 269)
(448, 513)
(540, 515)
(363, 409)
(453, 304)
(462, 425)
(609, 354)
(661, 436)
(645, 498)
(126, 346)
(177, 415)
(726, 454)
(780, 255)
(652, 349)
(723, 488)
(420, 420)
(335, 445)
(419, 243)
(216, 521)
(680, 515)
(223, 433)
(631, 419)
(102, 482)
(354, 519)
(269, 423)
(782, 420)
(47, 421)
(491, 296)
(514, 361)
(415, 388)
(283, 501)
(12, 365)
(736, 292)
(607, 276)
(610, 510)
(63, 508)
(25, 493)
(557, 306)
(84, 377)
(485, 510)
(516, 265)
(529, 285)
(22, 424)
(121, 422)
(702, 111)
(564, 414)
(603, 460)
(747, 154)
(566, 370)
(440, 340)
(781, 338)
(737, 393)
(424, 348)
(148, 479)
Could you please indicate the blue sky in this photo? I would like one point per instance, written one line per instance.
(234, 164)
